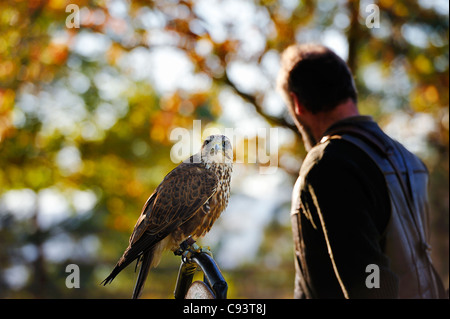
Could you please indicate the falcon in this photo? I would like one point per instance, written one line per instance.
(185, 204)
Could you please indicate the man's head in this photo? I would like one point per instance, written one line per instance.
(314, 81)
(318, 77)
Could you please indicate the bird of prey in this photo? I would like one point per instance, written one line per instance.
(186, 203)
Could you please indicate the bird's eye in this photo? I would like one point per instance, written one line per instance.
(224, 144)
(207, 142)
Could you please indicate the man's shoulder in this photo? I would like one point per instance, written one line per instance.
(333, 153)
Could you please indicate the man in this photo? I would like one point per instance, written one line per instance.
(359, 206)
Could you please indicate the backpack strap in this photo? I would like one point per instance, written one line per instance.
(359, 137)
(386, 148)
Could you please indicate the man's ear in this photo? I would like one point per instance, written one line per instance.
(299, 109)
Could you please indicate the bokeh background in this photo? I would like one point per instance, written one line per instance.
(86, 115)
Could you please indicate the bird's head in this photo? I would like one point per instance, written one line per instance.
(217, 149)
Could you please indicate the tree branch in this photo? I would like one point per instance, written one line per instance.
(273, 120)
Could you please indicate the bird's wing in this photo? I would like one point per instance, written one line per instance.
(179, 196)
(182, 192)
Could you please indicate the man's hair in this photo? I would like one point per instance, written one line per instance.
(319, 78)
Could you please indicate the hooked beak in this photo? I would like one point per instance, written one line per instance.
(215, 149)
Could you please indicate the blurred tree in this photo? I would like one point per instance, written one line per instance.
(86, 116)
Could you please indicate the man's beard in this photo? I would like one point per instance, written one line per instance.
(308, 139)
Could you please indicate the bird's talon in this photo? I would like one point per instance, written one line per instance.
(187, 256)
(188, 248)
(207, 250)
